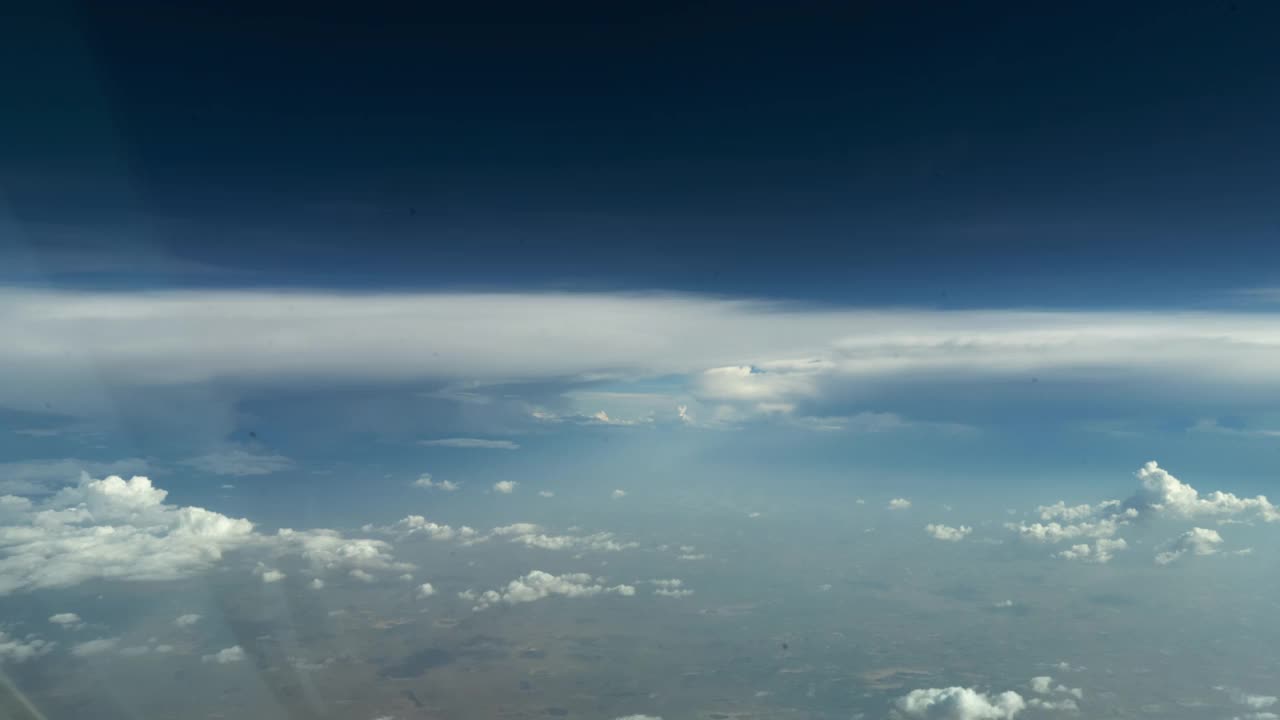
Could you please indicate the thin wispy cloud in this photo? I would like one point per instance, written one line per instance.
(471, 443)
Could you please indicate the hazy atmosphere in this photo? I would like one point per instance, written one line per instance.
(872, 361)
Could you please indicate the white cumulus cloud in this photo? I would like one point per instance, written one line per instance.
(111, 529)
(948, 533)
(899, 504)
(233, 654)
(959, 703)
(66, 620)
(537, 585)
(1102, 550)
(506, 487)
(1196, 541)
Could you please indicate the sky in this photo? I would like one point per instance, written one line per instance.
(869, 360)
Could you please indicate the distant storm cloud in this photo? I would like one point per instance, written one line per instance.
(734, 356)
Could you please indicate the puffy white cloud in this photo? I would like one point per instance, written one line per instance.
(187, 620)
(618, 494)
(361, 575)
(18, 650)
(1065, 697)
(471, 444)
(419, 525)
(112, 529)
(317, 584)
(506, 487)
(270, 575)
(328, 551)
(899, 504)
(66, 620)
(1197, 541)
(948, 533)
(233, 654)
(425, 590)
(1165, 493)
(537, 585)
(1102, 550)
(238, 462)
(424, 481)
(94, 647)
(1054, 532)
(959, 703)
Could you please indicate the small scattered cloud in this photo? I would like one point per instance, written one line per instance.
(424, 481)
(187, 620)
(546, 494)
(94, 647)
(672, 588)
(470, 443)
(618, 494)
(20, 650)
(361, 575)
(425, 590)
(1101, 552)
(268, 575)
(537, 585)
(899, 504)
(948, 533)
(1253, 701)
(505, 487)
(1196, 541)
(67, 620)
(233, 654)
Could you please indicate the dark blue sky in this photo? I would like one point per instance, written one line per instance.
(922, 153)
